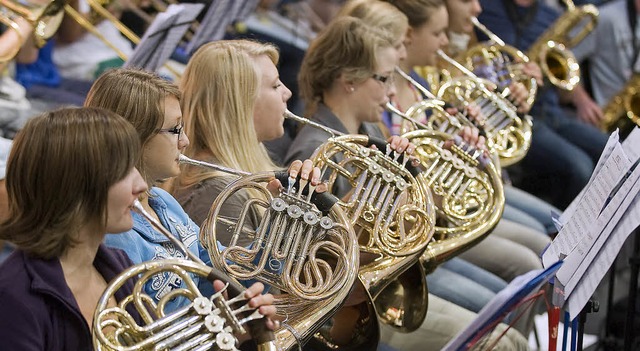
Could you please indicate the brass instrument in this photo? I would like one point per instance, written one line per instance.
(304, 247)
(45, 19)
(469, 192)
(551, 50)
(467, 187)
(508, 134)
(623, 110)
(138, 323)
(394, 216)
(500, 63)
(97, 12)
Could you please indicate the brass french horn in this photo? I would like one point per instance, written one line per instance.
(508, 134)
(304, 248)
(552, 49)
(499, 59)
(393, 215)
(467, 188)
(139, 323)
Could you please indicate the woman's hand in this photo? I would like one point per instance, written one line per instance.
(307, 173)
(532, 70)
(400, 144)
(471, 136)
(518, 96)
(262, 302)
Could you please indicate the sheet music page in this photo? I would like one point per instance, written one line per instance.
(519, 288)
(631, 144)
(185, 17)
(603, 260)
(614, 139)
(143, 53)
(577, 262)
(589, 207)
(213, 25)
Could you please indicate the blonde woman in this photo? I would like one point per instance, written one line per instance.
(234, 101)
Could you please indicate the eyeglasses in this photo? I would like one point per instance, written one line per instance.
(386, 80)
(177, 130)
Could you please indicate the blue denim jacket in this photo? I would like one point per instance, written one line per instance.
(144, 243)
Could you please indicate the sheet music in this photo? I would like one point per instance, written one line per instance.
(631, 144)
(163, 35)
(502, 303)
(577, 262)
(604, 259)
(589, 206)
(248, 7)
(213, 25)
(614, 139)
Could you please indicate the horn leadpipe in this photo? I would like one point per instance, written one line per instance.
(290, 115)
(460, 117)
(494, 38)
(186, 160)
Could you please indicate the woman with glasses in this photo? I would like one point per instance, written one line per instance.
(152, 105)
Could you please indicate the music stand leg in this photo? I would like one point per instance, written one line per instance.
(634, 261)
(591, 306)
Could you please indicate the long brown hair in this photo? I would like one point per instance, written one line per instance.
(139, 97)
(59, 172)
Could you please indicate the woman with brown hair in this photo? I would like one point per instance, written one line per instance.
(70, 180)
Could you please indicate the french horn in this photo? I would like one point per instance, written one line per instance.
(508, 134)
(201, 323)
(498, 62)
(304, 248)
(467, 188)
(394, 217)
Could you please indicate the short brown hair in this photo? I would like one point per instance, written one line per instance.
(347, 46)
(59, 172)
(138, 96)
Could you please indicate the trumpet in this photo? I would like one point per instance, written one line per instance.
(138, 323)
(394, 216)
(304, 246)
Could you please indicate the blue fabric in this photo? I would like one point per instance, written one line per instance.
(41, 72)
(464, 284)
(144, 243)
(519, 216)
(532, 206)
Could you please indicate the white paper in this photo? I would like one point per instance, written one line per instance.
(603, 260)
(213, 25)
(588, 208)
(614, 139)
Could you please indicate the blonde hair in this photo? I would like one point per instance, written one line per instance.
(377, 13)
(139, 97)
(221, 84)
(347, 46)
(59, 172)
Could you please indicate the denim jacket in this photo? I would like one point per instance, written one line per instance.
(144, 243)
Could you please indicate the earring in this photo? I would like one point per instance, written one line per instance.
(352, 89)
